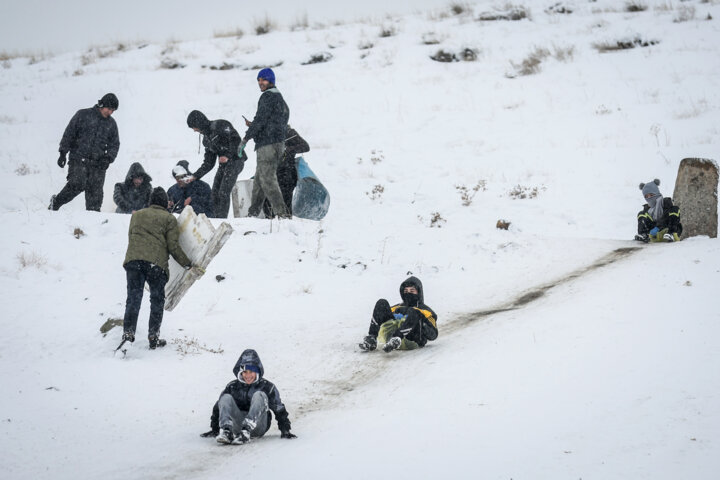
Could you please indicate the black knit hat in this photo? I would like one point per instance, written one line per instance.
(109, 100)
(198, 120)
(159, 197)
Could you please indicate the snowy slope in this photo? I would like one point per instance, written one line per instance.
(609, 374)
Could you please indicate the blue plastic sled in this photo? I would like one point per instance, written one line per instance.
(311, 199)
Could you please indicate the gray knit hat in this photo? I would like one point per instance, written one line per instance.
(650, 188)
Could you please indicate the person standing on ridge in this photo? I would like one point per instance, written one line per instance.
(269, 130)
(92, 140)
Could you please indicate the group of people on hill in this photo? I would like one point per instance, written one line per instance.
(243, 410)
(91, 141)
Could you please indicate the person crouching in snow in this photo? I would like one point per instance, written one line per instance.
(243, 410)
(659, 219)
(405, 326)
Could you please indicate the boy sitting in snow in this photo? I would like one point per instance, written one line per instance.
(243, 409)
(659, 219)
(405, 326)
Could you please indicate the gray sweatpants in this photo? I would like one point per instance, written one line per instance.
(265, 183)
(254, 421)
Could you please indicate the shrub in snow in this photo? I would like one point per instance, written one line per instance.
(558, 8)
(443, 56)
(624, 44)
(191, 346)
(506, 12)
(232, 33)
(457, 8)
(635, 6)
(522, 192)
(365, 45)
(467, 194)
(23, 169)
(321, 57)
(78, 232)
(170, 64)
(388, 31)
(31, 259)
(264, 26)
(436, 220)
(684, 14)
(376, 193)
(430, 38)
(531, 64)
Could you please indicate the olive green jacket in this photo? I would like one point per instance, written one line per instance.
(153, 236)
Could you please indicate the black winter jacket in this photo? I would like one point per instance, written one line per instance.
(270, 123)
(294, 144)
(221, 140)
(92, 137)
(128, 197)
(670, 218)
(428, 316)
(201, 196)
(242, 393)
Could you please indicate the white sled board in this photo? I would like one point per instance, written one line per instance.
(200, 241)
(241, 197)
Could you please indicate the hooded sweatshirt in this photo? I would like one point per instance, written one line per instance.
(127, 196)
(242, 392)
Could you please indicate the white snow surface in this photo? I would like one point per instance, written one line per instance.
(611, 373)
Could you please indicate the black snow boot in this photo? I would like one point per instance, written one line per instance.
(156, 342)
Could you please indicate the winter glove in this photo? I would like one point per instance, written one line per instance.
(287, 434)
(654, 231)
(210, 433)
(241, 148)
(62, 160)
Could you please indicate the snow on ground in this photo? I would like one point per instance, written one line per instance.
(607, 375)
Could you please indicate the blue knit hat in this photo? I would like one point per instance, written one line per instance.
(267, 74)
(251, 367)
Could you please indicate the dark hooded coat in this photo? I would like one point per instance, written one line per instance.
(220, 139)
(127, 196)
(201, 196)
(426, 315)
(242, 393)
(91, 137)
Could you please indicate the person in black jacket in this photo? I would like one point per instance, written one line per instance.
(659, 220)
(91, 138)
(196, 193)
(243, 410)
(269, 130)
(287, 174)
(134, 193)
(405, 326)
(221, 142)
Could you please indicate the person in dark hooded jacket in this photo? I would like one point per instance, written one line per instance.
(221, 142)
(91, 138)
(196, 194)
(659, 220)
(404, 326)
(134, 193)
(243, 410)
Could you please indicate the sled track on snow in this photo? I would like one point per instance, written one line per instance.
(326, 394)
(329, 391)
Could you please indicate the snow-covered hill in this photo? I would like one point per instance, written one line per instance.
(608, 374)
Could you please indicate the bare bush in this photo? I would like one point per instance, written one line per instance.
(445, 57)
(376, 156)
(436, 220)
(563, 54)
(31, 259)
(376, 193)
(301, 23)
(635, 6)
(170, 64)
(231, 33)
(558, 8)
(365, 45)
(624, 44)
(530, 64)
(506, 12)
(519, 192)
(388, 31)
(457, 8)
(321, 57)
(467, 194)
(264, 26)
(685, 13)
(430, 38)
(23, 169)
(78, 232)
